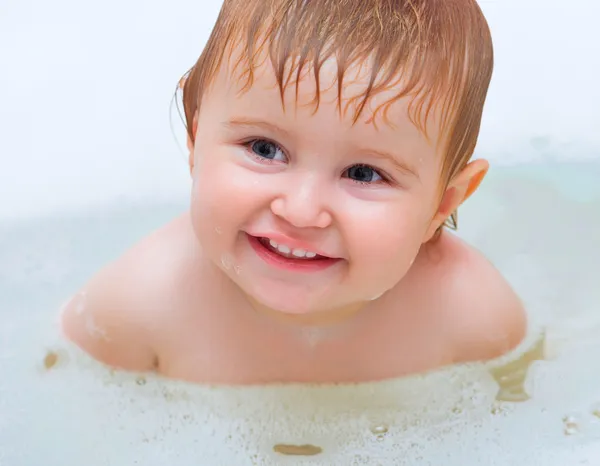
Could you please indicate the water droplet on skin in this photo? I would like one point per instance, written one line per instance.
(237, 269)
(93, 330)
(81, 304)
(226, 261)
(377, 296)
(218, 231)
(313, 335)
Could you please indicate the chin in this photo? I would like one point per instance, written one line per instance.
(290, 300)
(286, 305)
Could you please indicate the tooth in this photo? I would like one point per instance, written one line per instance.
(311, 255)
(272, 243)
(299, 252)
(284, 249)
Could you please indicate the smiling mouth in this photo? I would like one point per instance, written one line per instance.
(288, 252)
(285, 257)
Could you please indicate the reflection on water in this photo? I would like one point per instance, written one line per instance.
(297, 450)
(540, 407)
(511, 377)
(50, 360)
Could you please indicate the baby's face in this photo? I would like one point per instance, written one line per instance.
(305, 210)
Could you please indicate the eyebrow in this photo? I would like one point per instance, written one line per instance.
(398, 164)
(252, 123)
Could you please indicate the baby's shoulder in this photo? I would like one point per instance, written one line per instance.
(484, 315)
(119, 315)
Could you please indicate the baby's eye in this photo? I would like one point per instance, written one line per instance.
(266, 150)
(363, 174)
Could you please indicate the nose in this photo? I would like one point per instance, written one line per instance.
(303, 203)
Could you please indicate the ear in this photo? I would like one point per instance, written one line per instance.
(460, 188)
(191, 142)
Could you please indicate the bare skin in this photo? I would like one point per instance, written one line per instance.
(163, 307)
(220, 295)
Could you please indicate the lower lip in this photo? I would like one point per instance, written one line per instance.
(296, 265)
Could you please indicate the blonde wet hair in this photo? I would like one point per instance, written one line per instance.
(439, 53)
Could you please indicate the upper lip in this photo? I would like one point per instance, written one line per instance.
(293, 243)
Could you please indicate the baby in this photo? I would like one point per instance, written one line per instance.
(330, 143)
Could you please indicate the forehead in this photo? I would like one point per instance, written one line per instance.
(355, 102)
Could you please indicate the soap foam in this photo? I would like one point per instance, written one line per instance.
(75, 411)
(447, 417)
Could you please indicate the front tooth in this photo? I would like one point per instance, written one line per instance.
(311, 255)
(284, 249)
(272, 243)
(299, 252)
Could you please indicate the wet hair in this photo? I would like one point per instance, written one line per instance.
(438, 53)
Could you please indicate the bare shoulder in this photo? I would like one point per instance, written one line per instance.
(117, 316)
(486, 317)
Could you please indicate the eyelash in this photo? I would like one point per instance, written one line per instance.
(248, 146)
(384, 178)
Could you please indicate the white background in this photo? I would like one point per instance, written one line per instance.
(86, 87)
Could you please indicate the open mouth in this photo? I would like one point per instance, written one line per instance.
(288, 252)
(287, 257)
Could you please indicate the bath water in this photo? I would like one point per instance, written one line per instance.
(538, 223)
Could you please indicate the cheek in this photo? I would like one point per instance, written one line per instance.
(388, 239)
(224, 194)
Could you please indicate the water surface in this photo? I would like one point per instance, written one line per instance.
(540, 225)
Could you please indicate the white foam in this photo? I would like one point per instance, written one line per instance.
(444, 415)
(79, 412)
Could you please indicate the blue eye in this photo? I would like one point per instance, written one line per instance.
(266, 150)
(363, 174)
